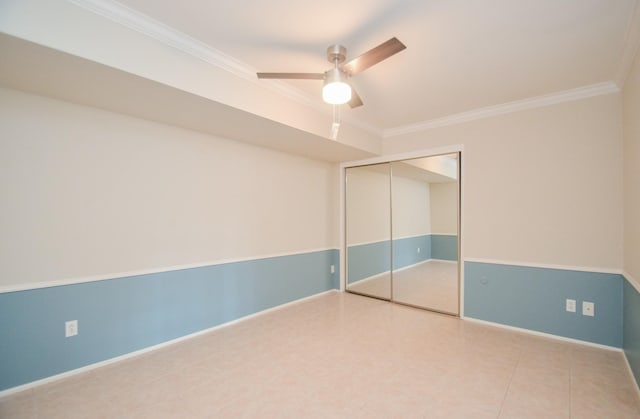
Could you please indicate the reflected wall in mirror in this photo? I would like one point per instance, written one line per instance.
(368, 230)
(402, 231)
(425, 206)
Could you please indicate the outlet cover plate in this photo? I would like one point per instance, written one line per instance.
(571, 305)
(70, 328)
(588, 308)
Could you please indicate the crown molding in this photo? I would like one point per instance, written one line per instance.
(139, 22)
(165, 34)
(132, 19)
(510, 107)
(630, 48)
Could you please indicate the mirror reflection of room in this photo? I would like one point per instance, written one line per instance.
(402, 232)
(425, 233)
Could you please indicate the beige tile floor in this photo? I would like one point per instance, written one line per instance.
(432, 284)
(346, 356)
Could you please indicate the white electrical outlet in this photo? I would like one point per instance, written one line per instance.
(571, 305)
(333, 269)
(70, 328)
(588, 308)
(418, 250)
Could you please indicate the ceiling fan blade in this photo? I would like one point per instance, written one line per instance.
(373, 56)
(355, 99)
(306, 76)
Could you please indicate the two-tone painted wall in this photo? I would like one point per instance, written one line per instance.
(631, 136)
(372, 259)
(126, 314)
(542, 214)
(144, 233)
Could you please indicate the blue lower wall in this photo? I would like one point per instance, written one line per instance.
(631, 328)
(444, 247)
(405, 251)
(534, 298)
(367, 260)
(123, 315)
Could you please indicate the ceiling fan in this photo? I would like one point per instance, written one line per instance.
(337, 88)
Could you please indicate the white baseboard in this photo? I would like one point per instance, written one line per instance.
(139, 352)
(404, 268)
(542, 334)
(636, 285)
(443, 261)
(370, 278)
(630, 371)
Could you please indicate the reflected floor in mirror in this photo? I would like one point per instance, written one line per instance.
(376, 286)
(345, 356)
(432, 284)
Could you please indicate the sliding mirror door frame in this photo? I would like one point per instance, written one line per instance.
(459, 150)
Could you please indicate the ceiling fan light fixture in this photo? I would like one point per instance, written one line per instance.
(336, 90)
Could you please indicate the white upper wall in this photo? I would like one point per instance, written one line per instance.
(372, 201)
(631, 106)
(411, 207)
(87, 192)
(540, 186)
(444, 208)
(367, 198)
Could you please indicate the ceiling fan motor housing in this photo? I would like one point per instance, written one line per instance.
(336, 53)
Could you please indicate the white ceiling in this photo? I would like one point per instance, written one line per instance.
(461, 55)
(77, 80)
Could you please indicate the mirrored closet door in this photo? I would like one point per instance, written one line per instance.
(368, 230)
(425, 232)
(402, 231)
